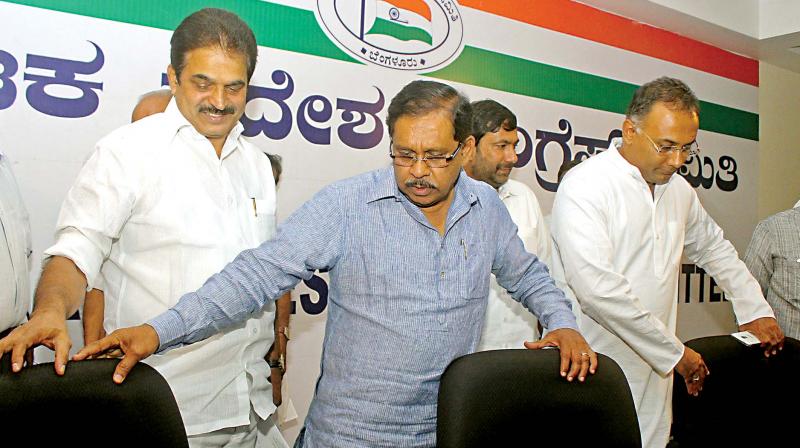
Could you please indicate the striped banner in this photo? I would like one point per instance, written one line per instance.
(292, 26)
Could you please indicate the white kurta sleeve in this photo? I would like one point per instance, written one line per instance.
(95, 209)
(542, 249)
(581, 235)
(706, 246)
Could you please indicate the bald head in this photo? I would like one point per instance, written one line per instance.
(151, 103)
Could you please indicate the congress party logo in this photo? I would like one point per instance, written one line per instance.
(412, 35)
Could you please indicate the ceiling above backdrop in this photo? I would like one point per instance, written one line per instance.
(767, 30)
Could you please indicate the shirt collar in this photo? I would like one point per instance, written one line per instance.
(386, 187)
(505, 191)
(617, 159)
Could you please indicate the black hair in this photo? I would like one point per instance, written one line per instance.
(422, 97)
(489, 116)
(213, 26)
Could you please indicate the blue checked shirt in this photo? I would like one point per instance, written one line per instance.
(403, 301)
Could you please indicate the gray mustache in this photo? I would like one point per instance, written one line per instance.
(420, 183)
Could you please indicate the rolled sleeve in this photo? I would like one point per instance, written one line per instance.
(96, 207)
(82, 250)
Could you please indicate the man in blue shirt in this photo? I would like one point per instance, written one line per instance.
(409, 250)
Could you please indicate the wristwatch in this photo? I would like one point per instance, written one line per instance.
(278, 364)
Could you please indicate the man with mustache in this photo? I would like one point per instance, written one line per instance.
(162, 204)
(409, 249)
(494, 127)
(621, 222)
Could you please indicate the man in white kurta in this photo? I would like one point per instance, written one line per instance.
(507, 324)
(162, 204)
(160, 212)
(621, 222)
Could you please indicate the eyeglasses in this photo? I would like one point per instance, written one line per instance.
(408, 158)
(690, 150)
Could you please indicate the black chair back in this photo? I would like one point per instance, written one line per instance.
(84, 407)
(508, 397)
(742, 401)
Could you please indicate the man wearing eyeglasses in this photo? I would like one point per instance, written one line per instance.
(621, 221)
(409, 249)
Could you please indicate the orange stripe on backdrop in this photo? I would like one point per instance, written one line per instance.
(576, 19)
(417, 6)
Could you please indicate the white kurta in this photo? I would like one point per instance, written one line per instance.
(508, 324)
(619, 248)
(160, 212)
(15, 250)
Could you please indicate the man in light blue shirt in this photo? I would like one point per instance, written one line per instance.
(409, 250)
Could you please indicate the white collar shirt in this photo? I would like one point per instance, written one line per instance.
(158, 212)
(619, 247)
(15, 250)
(508, 324)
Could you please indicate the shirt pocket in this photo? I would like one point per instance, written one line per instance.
(787, 274)
(475, 268)
(260, 219)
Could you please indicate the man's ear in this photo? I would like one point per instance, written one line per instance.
(628, 131)
(468, 149)
(173, 79)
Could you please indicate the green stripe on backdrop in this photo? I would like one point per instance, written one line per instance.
(296, 30)
(479, 67)
(275, 26)
(401, 32)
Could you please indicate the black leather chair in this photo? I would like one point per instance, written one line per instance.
(508, 397)
(85, 408)
(744, 398)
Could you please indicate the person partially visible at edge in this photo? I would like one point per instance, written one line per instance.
(409, 249)
(773, 257)
(15, 257)
(162, 204)
(621, 222)
(494, 127)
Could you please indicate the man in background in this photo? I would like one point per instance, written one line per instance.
(507, 324)
(773, 257)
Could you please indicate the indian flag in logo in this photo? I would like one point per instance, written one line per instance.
(404, 20)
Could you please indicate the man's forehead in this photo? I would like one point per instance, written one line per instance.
(214, 55)
(434, 127)
(669, 120)
(503, 134)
